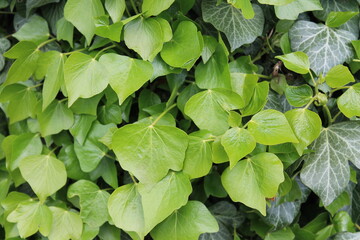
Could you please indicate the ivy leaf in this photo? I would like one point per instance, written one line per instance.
(31, 216)
(197, 161)
(93, 202)
(103, 29)
(65, 31)
(36, 30)
(339, 76)
(115, 8)
(245, 6)
(126, 71)
(184, 48)
(215, 103)
(149, 151)
(347, 236)
(348, 102)
(299, 96)
(296, 61)
(84, 77)
(336, 19)
(32, 4)
(238, 143)
(187, 223)
(275, 2)
(292, 10)
(230, 20)
(258, 177)
(65, 224)
(215, 72)
(68, 156)
(270, 127)
(258, 98)
(44, 173)
(81, 127)
(335, 146)
(282, 215)
(153, 7)
(306, 126)
(55, 118)
(315, 40)
(82, 14)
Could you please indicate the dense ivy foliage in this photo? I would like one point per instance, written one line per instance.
(179, 119)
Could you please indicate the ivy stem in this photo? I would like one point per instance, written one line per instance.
(133, 178)
(314, 82)
(78, 50)
(356, 60)
(53, 150)
(127, 11)
(263, 76)
(328, 114)
(46, 42)
(104, 49)
(3, 12)
(63, 100)
(163, 113)
(109, 156)
(35, 86)
(121, 48)
(308, 105)
(335, 117)
(337, 89)
(134, 6)
(246, 124)
(209, 140)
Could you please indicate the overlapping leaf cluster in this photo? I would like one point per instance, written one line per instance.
(179, 119)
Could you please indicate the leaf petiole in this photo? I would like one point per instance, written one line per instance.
(46, 42)
(163, 113)
(104, 49)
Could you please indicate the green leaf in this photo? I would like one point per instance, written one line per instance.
(81, 127)
(348, 103)
(153, 7)
(283, 234)
(258, 99)
(336, 19)
(84, 77)
(44, 173)
(115, 8)
(149, 151)
(82, 14)
(230, 20)
(306, 126)
(32, 4)
(110, 114)
(292, 10)
(35, 30)
(68, 157)
(187, 223)
(339, 76)
(107, 170)
(103, 29)
(238, 143)
(297, 62)
(55, 118)
(65, 224)
(197, 161)
(299, 96)
(245, 6)
(93, 202)
(258, 177)
(244, 85)
(282, 215)
(347, 236)
(276, 2)
(215, 72)
(126, 71)
(54, 76)
(184, 48)
(65, 31)
(210, 45)
(215, 103)
(330, 154)
(86, 106)
(31, 217)
(315, 40)
(145, 36)
(270, 127)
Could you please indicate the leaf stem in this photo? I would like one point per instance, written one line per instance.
(133, 178)
(328, 114)
(109, 156)
(127, 11)
(123, 49)
(78, 50)
(104, 49)
(134, 6)
(63, 100)
(46, 42)
(53, 150)
(337, 89)
(314, 82)
(263, 76)
(335, 117)
(356, 60)
(308, 105)
(35, 86)
(163, 113)
(3, 12)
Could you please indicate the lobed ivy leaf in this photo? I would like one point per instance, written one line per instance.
(65, 225)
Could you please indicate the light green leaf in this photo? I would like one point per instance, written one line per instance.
(115, 8)
(330, 154)
(82, 14)
(245, 6)
(259, 96)
(110, 114)
(126, 71)
(215, 103)
(238, 143)
(283, 234)
(84, 77)
(215, 72)
(35, 30)
(296, 61)
(93, 202)
(244, 85)
(339, 76)
(299, 96)
(55, 118)
(230, 20)
(65, 224)
(336, 19)
(187, 223)
(185, 47)
(149, 151)
(65, 31)
(197, 161)
(31, 217)
(103, 29)
(107, 170)
(315, 40)
(257, 177)
(348, 103)
(81, 127)
(276, 2)
(44, 173)
(270, 127)
(145, 36)
(210, 45)
(292, 10)
(54, 76)
(68, 156)
(87, 105)
(155, 7)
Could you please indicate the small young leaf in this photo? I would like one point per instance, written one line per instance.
(115, 8)
(153, 7)
(348, 103)
(339, 76)
(336, 19)
(297, 62)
